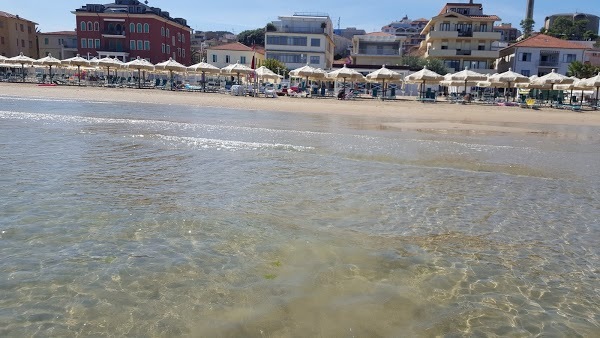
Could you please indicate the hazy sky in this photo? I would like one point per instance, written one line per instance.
(236, 15)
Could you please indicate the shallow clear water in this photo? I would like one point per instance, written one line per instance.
(165, 220)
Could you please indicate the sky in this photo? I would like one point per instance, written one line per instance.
(237, 15)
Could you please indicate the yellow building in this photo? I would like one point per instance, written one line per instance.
(377, 49)
(462, 36)
(17, 35)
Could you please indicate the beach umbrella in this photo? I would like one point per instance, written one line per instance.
(265, 73)
(22, 60)
(48, 61)
(346, 73)
(108, 62)
(204, 68)
(238, 69)
(304, 71)
(509, 77)
(172, 66)
(552, 79)
(77, 61)
(467, 76)
(139, 64)
(595, 83)
(384, 74)
(424, 76)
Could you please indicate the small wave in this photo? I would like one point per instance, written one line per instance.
(17, 98)
(206, 143)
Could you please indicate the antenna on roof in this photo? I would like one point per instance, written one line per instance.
(339, 23)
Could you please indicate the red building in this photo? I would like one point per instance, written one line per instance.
(127, 29)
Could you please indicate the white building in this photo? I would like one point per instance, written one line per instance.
(300, 39)
(377, 49)
(224, 55)
(539, 54)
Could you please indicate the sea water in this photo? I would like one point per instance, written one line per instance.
(165, 220)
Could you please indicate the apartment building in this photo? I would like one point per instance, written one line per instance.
(410, 29)
(300, 39)
(224, 55)
(62, 45)
(377, 49)
(462, 36)
(17, 35)
(127, 29)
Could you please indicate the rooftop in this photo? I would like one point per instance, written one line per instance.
(546, 41)
(12, 16)
(239, 47)
(129, 7)
(73, 33)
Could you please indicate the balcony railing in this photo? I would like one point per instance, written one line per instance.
(113, 32)
(378, 52)
(305, 30)
(463, 52)
(465, 34)
(553, 63)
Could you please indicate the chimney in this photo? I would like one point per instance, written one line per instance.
(529, 9)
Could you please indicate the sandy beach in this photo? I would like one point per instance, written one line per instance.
(402, 113)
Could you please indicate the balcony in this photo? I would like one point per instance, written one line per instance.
(487, 35)
(441, 52)
(302, 30)
(485, 54)
(113, 34)
(465, 34)
(463, 52)
(378, 52)
(442, 35)
(552, 63)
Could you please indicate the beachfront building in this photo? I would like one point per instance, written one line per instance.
(127, 29)
(508, 33)
(377, 49)
(223, 55)
(539, 55)
(300, 39)
(462, 36)
(410, 29)
(17, 35)
(593, 21)
(62, 45)
(592, 57)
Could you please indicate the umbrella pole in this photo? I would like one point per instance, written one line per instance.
(383, 90)
(50, 73)
(204, 82)
(23, 71)
(596, 103)
(571, 97)
(78, 75)
(171, 73)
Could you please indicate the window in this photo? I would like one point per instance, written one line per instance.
(444, 26)
(162, 31)
(140, 45)
(227, 59)
(131, 28)
(168, 33)
(146, 28)
(146, 45)
(287, 40)
(139, 27)
(82, 26)
(444, 45)
(173, 40)
(178, 51)
(132, 44)
(315, 42)
(287, 58)
(214, 58)
(83, 43)
(90, 43)
(22, 28)
(97, 43)
(90, 26)
(483, 27)
(243, 60)
(315, 60)
(570, 58)
(178, 37)
(96, 26)
(182, 38)
(162, 48)
(452, 64)
(525, 72)
(46, 41)
(525, 57)
(168, 49)
(481, 46)
(183, 52)
(29, 29)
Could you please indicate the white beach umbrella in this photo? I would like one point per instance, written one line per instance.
(423, 77)
(265, 73)
(22, 60)
(303, 72)
(384, 74)
(49, 61)
(509, 77)
(467, 76)
(237, 69)
(346, 73)
(171, 66)
(139, 64)
(594, 82)
(204, 68)
(553, 78)
(77, 61)
(108, 63)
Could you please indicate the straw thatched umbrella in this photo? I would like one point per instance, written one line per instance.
(424, 76)
(384, 74)
(204, 68)
(22, 60)
(595, 83)
(346, 73)
(172, 66)
(48, 61)
(76, 61)
(108, 63)
(140, 64)
(509, 77)
(238, 69)
(552, 79)
(467, 75)
(304, 71)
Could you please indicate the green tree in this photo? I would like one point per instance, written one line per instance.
(417, 62)
(527, 27)
(276, 66)
(582, 70)
(565, 28)
(254, 36)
